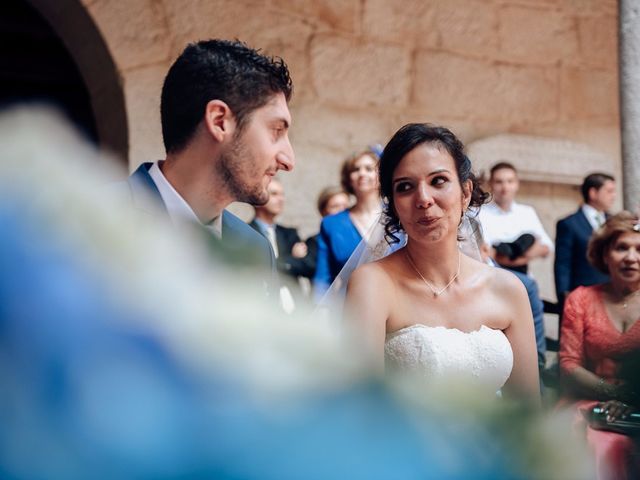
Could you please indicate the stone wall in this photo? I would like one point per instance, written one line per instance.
(363, 68)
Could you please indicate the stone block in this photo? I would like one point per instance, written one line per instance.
(539, 159)
(536, 35)
(584, 8)
(468, 26)
(529, 94)
(316, 168)
(411, 22)
(605, 139)
(261, 27)
(589, 94)
(341, 15)
(272, 32)
(298, 63)
(462, 88)
(453, 86)
(534, 3)
(598, 41)
(135, 32)
(343, 131)
(348, 73)
(142, 89)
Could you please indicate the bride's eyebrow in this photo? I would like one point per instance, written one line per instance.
(399, 179)
(439, 170)
(430, 174)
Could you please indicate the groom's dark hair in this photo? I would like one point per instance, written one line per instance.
(230, 71)
(405, 140)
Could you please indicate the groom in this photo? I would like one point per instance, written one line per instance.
(225, 122)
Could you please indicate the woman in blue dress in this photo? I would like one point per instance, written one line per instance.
(341, 233)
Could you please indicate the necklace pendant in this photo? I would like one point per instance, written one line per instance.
(435, 294)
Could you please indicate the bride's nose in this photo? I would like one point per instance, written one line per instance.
(424, 199)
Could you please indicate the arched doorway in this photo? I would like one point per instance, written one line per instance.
(36, 67)
(53, 51)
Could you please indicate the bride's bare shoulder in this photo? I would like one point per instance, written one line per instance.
(378, 274)
(374, 271)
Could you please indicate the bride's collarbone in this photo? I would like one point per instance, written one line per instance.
(454, 296)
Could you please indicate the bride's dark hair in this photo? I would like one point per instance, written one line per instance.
(405, 140)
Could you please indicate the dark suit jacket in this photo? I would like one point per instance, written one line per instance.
(312, 254)
(240, 245)
(287, 264)
(571, 267)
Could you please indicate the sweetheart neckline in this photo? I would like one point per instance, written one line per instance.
(422, 325)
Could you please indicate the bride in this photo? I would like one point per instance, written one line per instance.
(427, 307)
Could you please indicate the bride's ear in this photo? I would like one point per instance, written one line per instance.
(467, 188)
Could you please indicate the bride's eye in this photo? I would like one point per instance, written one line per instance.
(402, 187)
(439, 180)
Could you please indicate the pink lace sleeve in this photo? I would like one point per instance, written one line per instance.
(572, 334)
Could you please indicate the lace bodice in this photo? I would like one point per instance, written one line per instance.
(483, 357)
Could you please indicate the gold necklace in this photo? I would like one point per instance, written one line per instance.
(436, 293)
(627, 298)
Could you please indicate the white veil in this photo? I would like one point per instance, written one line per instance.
(374, 246)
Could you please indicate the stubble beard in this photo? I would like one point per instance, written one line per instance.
(236, 164)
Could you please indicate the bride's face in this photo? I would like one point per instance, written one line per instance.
(427, 194)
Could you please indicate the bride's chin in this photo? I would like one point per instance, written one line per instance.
(433, 235)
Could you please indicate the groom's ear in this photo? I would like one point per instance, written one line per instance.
(219, 120)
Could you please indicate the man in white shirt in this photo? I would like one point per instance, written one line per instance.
(571, 268)
(225, 122)
(513, 231)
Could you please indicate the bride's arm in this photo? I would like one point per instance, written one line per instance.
(367, 309)
(524, 382)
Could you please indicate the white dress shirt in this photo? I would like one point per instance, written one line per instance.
(269, 231)
(595, 217)
(179, 210)
(507, 225)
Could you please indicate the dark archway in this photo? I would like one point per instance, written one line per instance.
(35, 66)
(98, 103)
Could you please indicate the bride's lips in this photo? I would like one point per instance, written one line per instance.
(426, 221)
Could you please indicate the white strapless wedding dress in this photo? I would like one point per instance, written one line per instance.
(437, 354)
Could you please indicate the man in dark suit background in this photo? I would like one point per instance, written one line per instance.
(571, 267)
(290, 251)
(225, 122)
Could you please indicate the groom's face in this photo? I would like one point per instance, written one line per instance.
(257, 152)
(427, 195)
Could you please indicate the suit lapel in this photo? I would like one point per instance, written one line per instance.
(281, 240)
(144, 192)
(583, 223)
